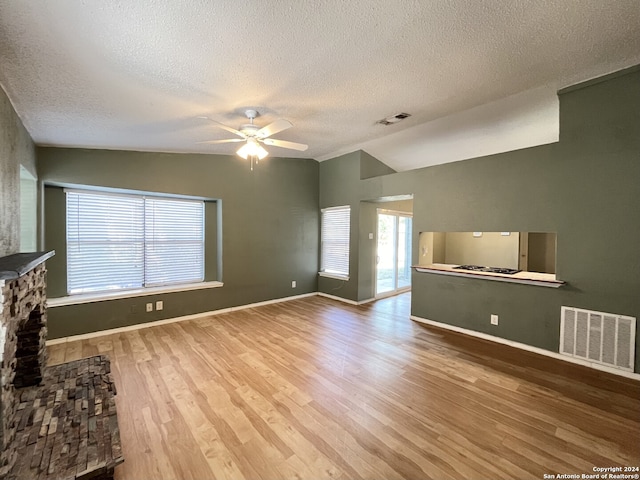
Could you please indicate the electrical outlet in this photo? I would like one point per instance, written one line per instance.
(293, 284)
(494, 319)
(149, 307)
(159, 305)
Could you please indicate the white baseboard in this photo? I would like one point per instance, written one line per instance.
(368, 300)
(529, 348)
(345, 300)
(139, 326)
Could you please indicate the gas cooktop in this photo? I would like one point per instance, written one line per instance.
(480, 268)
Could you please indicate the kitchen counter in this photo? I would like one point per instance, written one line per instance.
(528, 278)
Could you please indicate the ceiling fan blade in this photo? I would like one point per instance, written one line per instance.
(273, 128)
(226, 140)
(224, 127)
(284, 144)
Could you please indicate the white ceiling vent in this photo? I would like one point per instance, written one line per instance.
(603, 338)
(398, 117)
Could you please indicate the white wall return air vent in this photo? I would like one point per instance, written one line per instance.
(598, 337)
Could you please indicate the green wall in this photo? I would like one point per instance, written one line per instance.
(337, 188)
(16, 148)
(372, 167)
(585, 188)
(269, 228)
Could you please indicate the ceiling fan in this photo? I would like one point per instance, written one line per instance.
(253, 136)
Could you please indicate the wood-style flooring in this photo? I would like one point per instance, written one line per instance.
(314, 388)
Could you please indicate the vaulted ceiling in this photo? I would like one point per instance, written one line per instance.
(477, 77)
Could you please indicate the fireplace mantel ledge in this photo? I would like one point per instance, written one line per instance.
(16, 265)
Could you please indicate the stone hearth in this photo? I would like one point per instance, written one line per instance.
(55, 422)
(23, 333)
(67, 428)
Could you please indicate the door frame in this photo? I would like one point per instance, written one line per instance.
(396, 290)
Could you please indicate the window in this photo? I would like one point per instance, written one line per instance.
(131, 241)
(335, 241)
(28, 211)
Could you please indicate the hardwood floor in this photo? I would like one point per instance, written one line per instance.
(314, 388)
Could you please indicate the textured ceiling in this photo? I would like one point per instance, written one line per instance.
(477, 77)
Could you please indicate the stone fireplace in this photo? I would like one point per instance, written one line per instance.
(57, 422)
(23, 333)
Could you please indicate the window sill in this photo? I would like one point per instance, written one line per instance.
(527, 278)
(138, 292)
(336, 276)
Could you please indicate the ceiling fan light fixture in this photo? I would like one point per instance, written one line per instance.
(252, 149)
(254, 136)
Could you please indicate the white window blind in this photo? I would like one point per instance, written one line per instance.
(174, 241)
(126, 241)
(335, 232)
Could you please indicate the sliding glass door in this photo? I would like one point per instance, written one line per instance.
(393, 255)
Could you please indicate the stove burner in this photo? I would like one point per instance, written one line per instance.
(505, 271)
(471, 267)
(480, 268)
